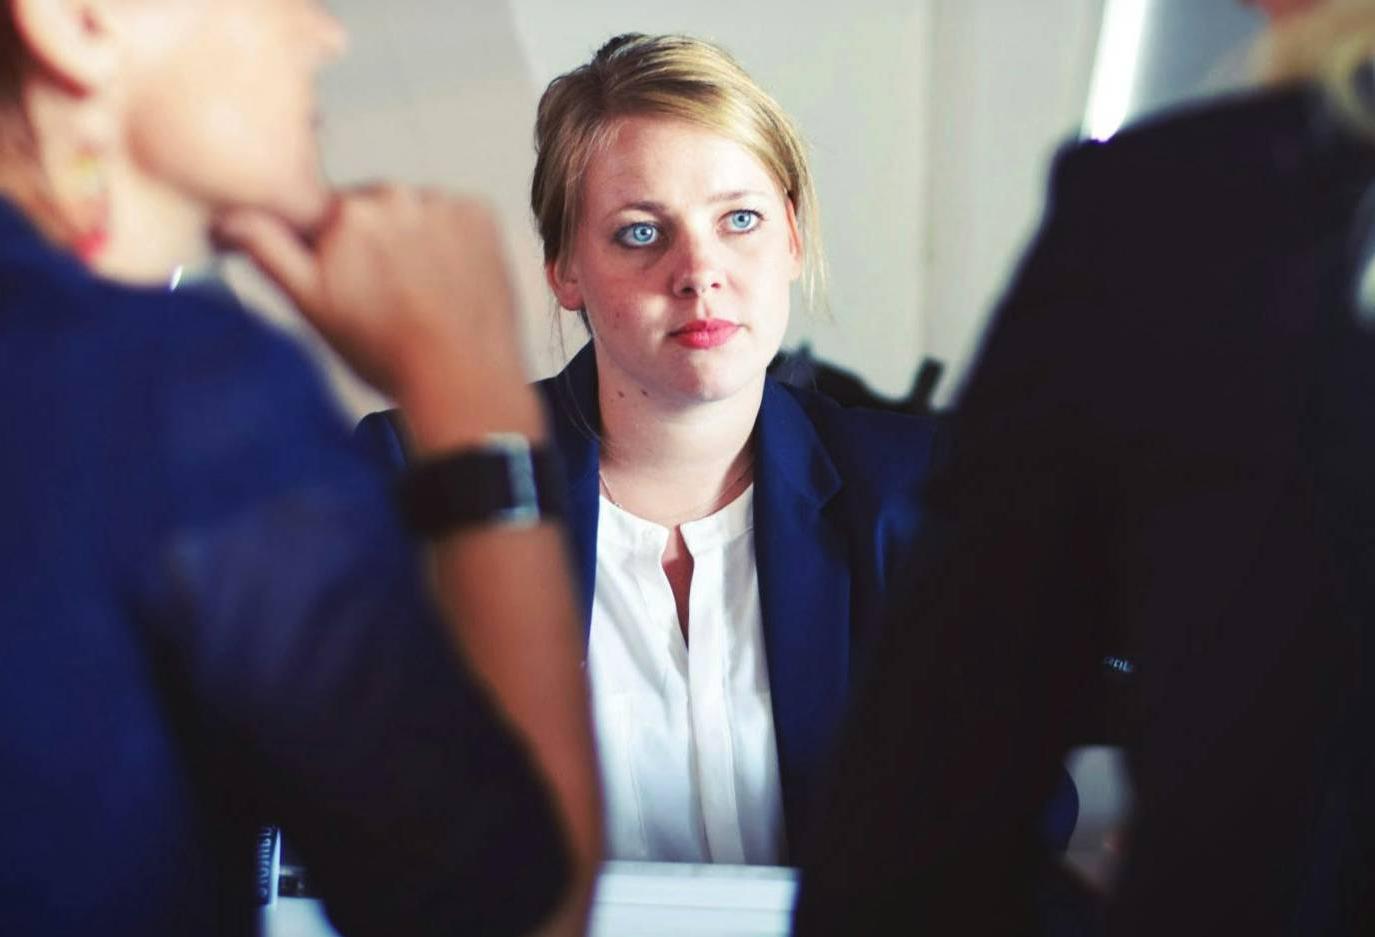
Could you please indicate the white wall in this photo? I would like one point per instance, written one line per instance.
(1011, 82)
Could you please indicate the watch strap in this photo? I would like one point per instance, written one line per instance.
(503, 481)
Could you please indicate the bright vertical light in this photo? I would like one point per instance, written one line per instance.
(1114, 67)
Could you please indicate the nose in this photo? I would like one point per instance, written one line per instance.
(697, 268)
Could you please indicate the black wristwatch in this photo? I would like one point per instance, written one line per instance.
(503, 481)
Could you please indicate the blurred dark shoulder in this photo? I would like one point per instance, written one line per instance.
(1217, 149)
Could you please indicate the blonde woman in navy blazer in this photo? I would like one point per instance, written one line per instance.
(676, 207)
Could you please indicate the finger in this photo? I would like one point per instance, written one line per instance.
(278, 251)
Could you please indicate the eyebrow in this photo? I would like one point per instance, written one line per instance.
(655, 208)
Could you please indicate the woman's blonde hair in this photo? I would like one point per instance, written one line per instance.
(670, 76)
(1332, 43)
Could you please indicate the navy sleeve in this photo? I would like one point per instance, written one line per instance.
(325, 690)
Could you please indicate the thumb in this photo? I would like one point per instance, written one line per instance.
(278, 251)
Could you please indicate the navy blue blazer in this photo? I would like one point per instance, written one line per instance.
(836, 511)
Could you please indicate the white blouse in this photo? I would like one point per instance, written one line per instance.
(684, 729)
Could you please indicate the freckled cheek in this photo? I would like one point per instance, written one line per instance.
(616, 316)
(625, 302)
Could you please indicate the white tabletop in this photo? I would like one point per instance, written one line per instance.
(636, 899)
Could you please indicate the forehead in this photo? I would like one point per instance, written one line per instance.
(671, 162)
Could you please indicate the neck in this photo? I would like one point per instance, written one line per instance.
(147, 228)
(671, 463)
(152, 230)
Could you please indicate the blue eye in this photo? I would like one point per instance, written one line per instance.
(639, 234)
(743, 220)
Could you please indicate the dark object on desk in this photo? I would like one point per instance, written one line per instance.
(799, 368)
(1216, 527)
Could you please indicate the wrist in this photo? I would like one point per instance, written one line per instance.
(461, 406)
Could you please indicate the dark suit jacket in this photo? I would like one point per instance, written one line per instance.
(834, 516)
(1166, 449)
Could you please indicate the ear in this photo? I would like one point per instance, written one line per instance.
(71, 40)
(794, 240)
(564, 284)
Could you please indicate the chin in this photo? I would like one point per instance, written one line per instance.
(293, 189)
(306, 206)
(303, 202)
(717, 385)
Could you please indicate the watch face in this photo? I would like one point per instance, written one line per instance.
(504, 481)
(521, 488)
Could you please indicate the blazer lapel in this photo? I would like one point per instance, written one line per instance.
(804, 590)
(571, 397)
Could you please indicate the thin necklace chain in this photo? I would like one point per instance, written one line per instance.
(701, 510)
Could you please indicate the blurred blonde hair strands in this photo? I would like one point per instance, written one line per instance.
(1332, 43)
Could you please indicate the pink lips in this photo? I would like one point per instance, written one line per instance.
(705, 333)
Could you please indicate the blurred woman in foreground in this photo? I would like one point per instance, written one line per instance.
(210, 614)
(1166, 446)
